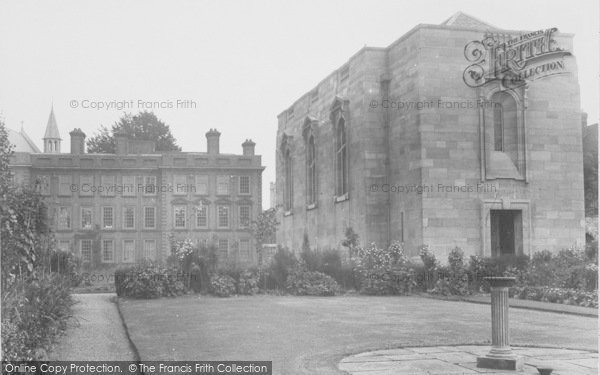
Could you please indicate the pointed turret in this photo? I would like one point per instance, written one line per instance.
(52, 136)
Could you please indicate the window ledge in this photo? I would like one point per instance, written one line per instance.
(288, 213)
(311, 206)
(341, 198)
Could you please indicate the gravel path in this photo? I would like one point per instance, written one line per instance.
(96, 333)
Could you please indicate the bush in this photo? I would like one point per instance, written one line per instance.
(453, 279)
(399, 281)
(146, 281)
(282, 263)
(384, 271)
(34, 312)
(222, 285)
(302, 282)
(248, 283)
(505, 265)
(67, 264)
(568, 269)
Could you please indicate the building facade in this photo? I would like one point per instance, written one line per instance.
(412, 143)
(125, 207)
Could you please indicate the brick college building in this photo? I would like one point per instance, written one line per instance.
(412, 143)
(123, 207)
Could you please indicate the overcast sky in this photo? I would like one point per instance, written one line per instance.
(241, 62)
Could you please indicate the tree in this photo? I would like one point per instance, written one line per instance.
(143, 126)
(263, 229)
(25, 238)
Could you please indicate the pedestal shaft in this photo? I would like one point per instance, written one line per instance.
(500, 332)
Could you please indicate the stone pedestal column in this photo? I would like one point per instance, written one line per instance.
(500, 356)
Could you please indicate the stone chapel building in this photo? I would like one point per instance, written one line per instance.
(458, 134)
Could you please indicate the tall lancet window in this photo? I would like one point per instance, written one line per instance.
(506, 137)
(289, 183)
(341, 160)
(311, 171)
(498, 128)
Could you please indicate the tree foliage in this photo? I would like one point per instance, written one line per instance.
(25, 237)
(143, 126)
(264, 228)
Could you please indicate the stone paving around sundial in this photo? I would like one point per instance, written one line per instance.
(455, 360)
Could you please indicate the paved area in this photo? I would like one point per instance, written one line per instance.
(462, 360)
(96, 333)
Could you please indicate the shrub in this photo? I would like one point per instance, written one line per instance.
(427, 274)
(283, 261)
(399, 281)
(566, 269)
(222, 285)
(67, 264)
(146, 281)
(506, 265)
(458, 277)
(384, 271)
(452, 279)
(248, 283)
(34, 312)
(197, 258)
(302, 282)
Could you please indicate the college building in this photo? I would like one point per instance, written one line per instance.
(458, 134)
(127, 206)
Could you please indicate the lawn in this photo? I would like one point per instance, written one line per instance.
(311, 334)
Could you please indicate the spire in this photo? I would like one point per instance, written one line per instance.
(52, 137)
(51, 127)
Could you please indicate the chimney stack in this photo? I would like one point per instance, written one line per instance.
(212, 141)
(248, 147)
(77, 141)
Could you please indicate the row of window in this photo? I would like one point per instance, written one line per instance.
(341, 169)
(199, 215)
(108, 249)
(109, 187)
(129, 247)
(182, 217)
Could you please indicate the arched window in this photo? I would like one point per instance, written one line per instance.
(289, 183)
(505, 124)
(341, 160)
(311, 171)
(498, 128)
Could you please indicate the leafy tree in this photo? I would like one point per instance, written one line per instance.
(143, 126)
(25, 237)
(6, 150)
(264, 228)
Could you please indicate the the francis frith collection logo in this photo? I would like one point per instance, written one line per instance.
(514, 62)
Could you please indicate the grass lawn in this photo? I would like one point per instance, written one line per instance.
(311, 334)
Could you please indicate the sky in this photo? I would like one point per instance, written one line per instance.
(241, 63)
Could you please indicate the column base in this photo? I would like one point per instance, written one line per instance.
(513, 363)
